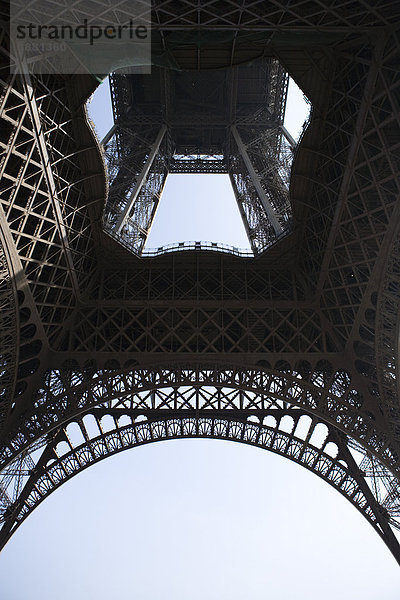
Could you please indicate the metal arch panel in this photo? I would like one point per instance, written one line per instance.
(56, 466)
(332, 397)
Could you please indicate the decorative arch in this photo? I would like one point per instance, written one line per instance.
(322, 391)
(291, 433)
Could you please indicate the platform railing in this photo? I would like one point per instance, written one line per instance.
(192, 245)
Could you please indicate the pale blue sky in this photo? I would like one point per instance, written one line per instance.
(198, 208)
(196, 520)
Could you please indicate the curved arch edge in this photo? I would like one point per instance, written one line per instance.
(52, 469)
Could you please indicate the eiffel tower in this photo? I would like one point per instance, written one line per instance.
(293, 348)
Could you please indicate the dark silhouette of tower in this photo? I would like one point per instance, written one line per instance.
(293, 349)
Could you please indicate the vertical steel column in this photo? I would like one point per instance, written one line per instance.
(141, 179)
(260, 190)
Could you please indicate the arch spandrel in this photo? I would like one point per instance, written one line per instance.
(327, 393)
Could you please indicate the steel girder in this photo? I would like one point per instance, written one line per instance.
(310, 329)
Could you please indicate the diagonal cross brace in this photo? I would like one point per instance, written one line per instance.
(140, 180)
(256, 181)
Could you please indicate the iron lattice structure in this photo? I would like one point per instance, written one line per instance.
(294, 350)
(219, 121)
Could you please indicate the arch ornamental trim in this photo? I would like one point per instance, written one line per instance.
(292, 434)
(67, 393)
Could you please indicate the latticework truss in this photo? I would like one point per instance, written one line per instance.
(295, 351)
(223, 121)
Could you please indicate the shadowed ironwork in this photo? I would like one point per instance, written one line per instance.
(198, 343)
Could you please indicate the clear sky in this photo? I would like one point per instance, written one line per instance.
(196, 520)
(198, 208)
